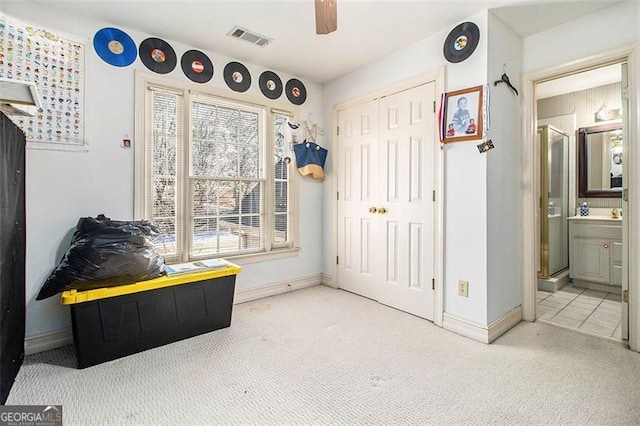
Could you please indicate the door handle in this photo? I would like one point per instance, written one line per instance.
(606, 246)
(382, 210)
(373, 210)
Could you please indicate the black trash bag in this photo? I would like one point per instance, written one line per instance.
(106, 253)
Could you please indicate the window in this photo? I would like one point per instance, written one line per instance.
(215, 175)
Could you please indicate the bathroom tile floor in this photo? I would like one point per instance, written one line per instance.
(596, 312)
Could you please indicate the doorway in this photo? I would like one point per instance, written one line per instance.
(583, 115)
(386, 211)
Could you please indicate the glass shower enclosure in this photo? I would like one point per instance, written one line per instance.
(554, 201)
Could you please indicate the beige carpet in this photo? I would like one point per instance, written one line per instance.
(327, 356)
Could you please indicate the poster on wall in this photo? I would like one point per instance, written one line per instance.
(55, 63)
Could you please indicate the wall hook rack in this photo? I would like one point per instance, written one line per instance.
(505, 79)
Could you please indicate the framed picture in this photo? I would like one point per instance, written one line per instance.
(462, 115)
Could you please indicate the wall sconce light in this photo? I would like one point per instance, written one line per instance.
(604, 114)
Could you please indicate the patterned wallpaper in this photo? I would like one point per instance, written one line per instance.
(583, 105)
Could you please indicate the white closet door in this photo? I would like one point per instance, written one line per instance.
(386, 161)
(358, 238)
(407, 154)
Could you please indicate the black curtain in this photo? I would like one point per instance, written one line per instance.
(12, 253)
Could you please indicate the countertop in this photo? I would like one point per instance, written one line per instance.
(594, 217)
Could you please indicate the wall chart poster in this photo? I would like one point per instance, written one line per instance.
(55, 64)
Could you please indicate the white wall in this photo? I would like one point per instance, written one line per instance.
(465, 170)
(607, 29)
(504, 171)
(63, 186)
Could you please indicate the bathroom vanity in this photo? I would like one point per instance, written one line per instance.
(595, 252)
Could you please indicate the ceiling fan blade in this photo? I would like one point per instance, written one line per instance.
(326, 16)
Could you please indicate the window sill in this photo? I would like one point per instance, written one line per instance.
(246, 259)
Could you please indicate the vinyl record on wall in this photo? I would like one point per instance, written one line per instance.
(157, 55)
(461, 42)
(270, 85)
(237, 77)
(196, 66)
(296, 92)
(115, 47)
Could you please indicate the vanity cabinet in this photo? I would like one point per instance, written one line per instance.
(595, 250)
(616, 262)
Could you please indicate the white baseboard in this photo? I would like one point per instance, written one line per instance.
(47, 341)
(327, 280)
(598, 287)
(64, 337)
(482, 333)
(260, 292)
(465, 328)
(505, 323)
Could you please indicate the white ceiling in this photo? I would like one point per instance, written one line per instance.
(367, 30)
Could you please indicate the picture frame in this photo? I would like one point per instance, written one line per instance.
(462, 115)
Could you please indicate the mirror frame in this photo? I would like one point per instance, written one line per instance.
(583, 191)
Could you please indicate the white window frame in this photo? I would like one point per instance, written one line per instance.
(190, 92)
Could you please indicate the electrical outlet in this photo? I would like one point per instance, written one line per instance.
(463, 288)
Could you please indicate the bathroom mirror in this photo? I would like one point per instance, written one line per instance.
(600, 160)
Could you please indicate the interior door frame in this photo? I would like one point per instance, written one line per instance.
(438, 77)
(631, 53)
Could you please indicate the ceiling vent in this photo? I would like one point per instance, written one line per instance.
(251, 37)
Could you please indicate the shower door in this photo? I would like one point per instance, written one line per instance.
(554, 201)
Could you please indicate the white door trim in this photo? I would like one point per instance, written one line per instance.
(529, 183)
(634, 197)
(438, 77)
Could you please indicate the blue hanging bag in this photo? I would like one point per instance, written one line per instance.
(310, 159)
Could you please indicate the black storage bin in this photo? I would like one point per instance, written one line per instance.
(113, 322)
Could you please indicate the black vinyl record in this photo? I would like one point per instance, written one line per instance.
(461, 42)
(157, 55)
(115, 47)
(196, 66)
(237, 77)
(270, 84)
(296, 92)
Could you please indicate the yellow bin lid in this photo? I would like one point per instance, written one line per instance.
(71, 297)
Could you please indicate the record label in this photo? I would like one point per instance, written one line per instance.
(237, 77)
(296, 92)
(461, 42)
(196, 66)
(270, 84)
(157, 55)
(115, 47)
